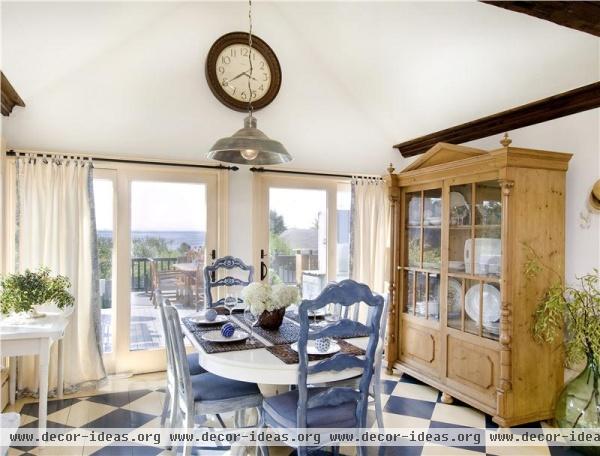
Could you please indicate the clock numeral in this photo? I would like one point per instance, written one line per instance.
(225, 60)
(234, 90)
(265, 77)
(261, 65)
(225, 82)
(261, 88)
(243, 95)
(233, 52)
(244, 52)
(221, 70)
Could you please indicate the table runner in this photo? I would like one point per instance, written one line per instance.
(288, 356)
(216, 347)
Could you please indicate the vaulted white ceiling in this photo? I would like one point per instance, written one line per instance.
(128, 78)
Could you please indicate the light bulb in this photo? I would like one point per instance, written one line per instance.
(249, 154)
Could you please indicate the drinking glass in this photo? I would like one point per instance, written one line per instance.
(230, 303)
(251, 320)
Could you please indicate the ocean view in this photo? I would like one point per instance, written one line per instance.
(174, 238)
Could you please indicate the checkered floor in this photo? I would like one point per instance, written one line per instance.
(137, 402)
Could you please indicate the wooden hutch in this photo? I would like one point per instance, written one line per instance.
(462, 308)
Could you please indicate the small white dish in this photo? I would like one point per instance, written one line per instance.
(201, 320)
(312, 350)
(493, 328)
(216, 336)
(491, 304)
(454, 295)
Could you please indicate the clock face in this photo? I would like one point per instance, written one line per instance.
(233, 71)
(228, 71)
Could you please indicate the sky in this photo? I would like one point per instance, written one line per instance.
(170, 206)
(155, 206)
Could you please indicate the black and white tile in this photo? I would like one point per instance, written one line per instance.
(133, 403)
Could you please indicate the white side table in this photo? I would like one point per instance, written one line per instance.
(35, 337)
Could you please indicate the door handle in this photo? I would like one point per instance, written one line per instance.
(213, 256)
(263, 267)
(263, 270)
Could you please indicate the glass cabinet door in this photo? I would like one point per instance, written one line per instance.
(422, 253)
(474, 258)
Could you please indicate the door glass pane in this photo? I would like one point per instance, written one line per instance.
(455, 302)
(472, 306)
(298, 238)
(432, 232)
(433, 303)
(103, 202)
(421, 299)
(460, 226)
(343, 232)
(409, 290)
(487, 248)
(491, 311)
(168, 223)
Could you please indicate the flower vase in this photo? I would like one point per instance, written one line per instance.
(578, 405)
(271, 319)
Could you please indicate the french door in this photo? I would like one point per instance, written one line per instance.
(302, 230)
(145, 216)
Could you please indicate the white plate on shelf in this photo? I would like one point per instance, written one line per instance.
(312, 350)
(216, 336)
(457, 200)
(491, 304)
(201, 320)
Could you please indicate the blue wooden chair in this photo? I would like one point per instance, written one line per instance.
(329, 407)
(204, 394)
(353, 312)
(211, 281)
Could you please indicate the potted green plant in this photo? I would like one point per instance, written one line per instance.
(574, 311)
(24, 292)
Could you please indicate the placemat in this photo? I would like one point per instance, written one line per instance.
(289, 356)
(293, 315)
(216, 347)
(287, 333)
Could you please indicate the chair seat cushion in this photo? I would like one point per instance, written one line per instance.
(194, 363)
(283, 407)
(211, 387)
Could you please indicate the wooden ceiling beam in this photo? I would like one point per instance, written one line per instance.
(580, 15)
(563, 104)
(10, 97)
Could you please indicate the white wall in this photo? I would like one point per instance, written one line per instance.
(578, 134)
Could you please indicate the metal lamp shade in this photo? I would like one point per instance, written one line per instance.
(249, 146)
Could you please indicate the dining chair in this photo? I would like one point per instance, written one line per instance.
(169, 409)
(353, 312)
(171, 282)
(205, 394)
(329, 407)
(211, 281)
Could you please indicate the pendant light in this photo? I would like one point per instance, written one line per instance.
(249, 145)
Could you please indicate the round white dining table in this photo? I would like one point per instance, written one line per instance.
(262, 367)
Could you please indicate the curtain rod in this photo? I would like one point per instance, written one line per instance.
(12, 153)
(260, 169)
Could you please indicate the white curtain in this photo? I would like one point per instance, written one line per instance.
(56, 228)
(370, 232)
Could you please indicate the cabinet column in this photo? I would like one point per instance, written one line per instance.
(506, 309)
(393, 318)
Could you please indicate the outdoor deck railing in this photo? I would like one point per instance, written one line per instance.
(140, 271)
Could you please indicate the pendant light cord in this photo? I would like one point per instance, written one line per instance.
(250, 107)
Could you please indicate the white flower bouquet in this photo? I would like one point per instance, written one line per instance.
(269, 302)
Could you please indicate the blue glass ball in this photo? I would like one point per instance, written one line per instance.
(227, 330)
(210, 315)
(323, 344)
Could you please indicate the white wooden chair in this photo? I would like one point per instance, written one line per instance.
(205, 394)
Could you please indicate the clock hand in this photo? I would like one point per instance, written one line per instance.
(251, 77)
(238, 76)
